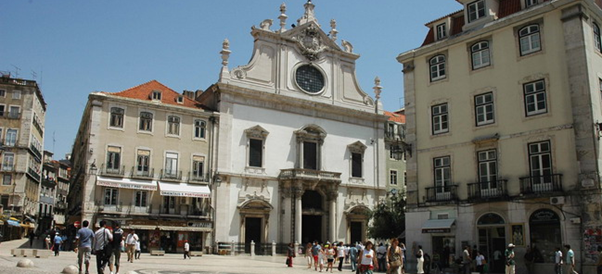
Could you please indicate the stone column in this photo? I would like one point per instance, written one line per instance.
(298, 212)
(332, 225)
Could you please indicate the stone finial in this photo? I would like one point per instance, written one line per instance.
(333, 31)
(266, 24)
(309, 14)
(282, 17)
(348, 47)
(377, 87)
(225, 52)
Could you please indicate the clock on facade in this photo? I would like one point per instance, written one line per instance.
(309, 78)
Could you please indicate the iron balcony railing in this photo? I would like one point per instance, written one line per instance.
(541, 184)
(116, 171)
(143, 174)
(195, 177)
(171, 175)
(488, 190)
(446, 193)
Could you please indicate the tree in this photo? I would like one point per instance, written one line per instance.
(388, 220)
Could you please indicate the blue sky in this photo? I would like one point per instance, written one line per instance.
(74, 47)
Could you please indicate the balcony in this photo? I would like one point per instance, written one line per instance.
(550, 183)
(117, 171)
(488, 190)
(448, 193)
(34, 174)
(35, 151)
(309, 174)
(142, 174)
(194, 177)
(10, 114)
(171, 175)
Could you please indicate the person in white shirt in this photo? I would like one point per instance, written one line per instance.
(480, 262)
(102, 238)
(137, 256)
(558, 261)
(130, 243)
(186, 250)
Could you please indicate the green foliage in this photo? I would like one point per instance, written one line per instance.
(388, 219)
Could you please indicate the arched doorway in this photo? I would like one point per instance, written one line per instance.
(544, 228)
(254, 215)
(492, 240)
(312, 204)
(357, 221)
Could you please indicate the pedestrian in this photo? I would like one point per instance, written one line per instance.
(341, 255)
(116, 246)
(57, 244)
(570, 260)
(130, 245)
(315, 252)
(381, 253)
(102, 240)
(420, 260)
(308, 256)
(186, 250)
(480, 260)
(599, 263)
(138, 251)
(290, 254)
(466, 260)
(558, 261)
(510, 263)
(330, 257)
(529, 260)
(83, 246)
(367, 259)
(32, 236)
(403, 257)
(48, 242)
(322, 256)
(353, 252)
(393, 257)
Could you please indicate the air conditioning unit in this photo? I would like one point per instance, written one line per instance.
(557, 200)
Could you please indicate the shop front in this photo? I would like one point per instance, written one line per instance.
(442, 238)
(170, 235)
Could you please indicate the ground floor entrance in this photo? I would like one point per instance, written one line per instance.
(252, 232)
(357, 232)
(311, 228)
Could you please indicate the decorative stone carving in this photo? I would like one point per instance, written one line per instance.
(377, 87)
(348, 47)
(257, 132)
(357, 147)
(310, 43)
(239, 73)
(266, 24)
(225, 52)
(333, 31)
(282, 17)
(311, 133)
(309, 15)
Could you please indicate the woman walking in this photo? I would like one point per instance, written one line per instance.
(308, 256)
(329, 257)
(394, 260)
(367, 259)
(290, 254)
(420, 259)
(341, 255)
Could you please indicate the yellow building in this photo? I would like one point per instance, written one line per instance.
(503, 105)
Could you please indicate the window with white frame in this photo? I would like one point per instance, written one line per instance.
(487, 165)
(476, 10)
(200, 128)
(146, 121)
(535, 98)
(480, 54)
(14, 111)
(171, 164)
(484, 109)
(143, 162)
(8, 161)
(440, 119)
(597, 41)
(141, 199)
(116, 119)
(156, 95)
(111, 196)
(173, 125)
(169, 204)
(113, 159)
(11, 137)
(393, 177)
(16, 94)
(441, 31)
(198, 167)
(529, 3)
(437, 67)
(529, 39)
(442, 173)
(540, 164)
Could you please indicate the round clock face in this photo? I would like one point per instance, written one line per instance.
(310, 79)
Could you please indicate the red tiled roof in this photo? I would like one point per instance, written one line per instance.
(508, 7)
(457, 24)
(168, 96)
(430, 37)
(396, 117)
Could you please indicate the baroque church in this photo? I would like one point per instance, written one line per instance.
(299, 150)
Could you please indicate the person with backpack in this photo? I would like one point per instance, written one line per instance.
(102, 246)
(116, 249)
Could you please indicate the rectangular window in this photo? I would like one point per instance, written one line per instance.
(442, 175)
(146, 121)
(111, 196)
(143, 163)
(200, 127)
(255, 152)
(16, 94)
(393, 151)
(141, 198)
(441, 31)
(11, 137)
(483, 105)
(169, 204)
(171, 164)
(356, 165)
(173, 125)
(2, 93)
(310, 155)
(535, 98)
(113, 159)
(440, 119)
(1, 140)
(13, 112)
(116, 119)
(156, 95)
(487, 166)
(393, 177)
(529, 3)
(476, 10)
(7, 179)
(198, 163)
(529, 39)
(3, 111)
(540, 164)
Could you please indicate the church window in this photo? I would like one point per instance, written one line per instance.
(309, 79)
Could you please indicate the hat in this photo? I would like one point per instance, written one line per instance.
(510, 245)
(56, 233)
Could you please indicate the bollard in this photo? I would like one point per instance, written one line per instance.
(296, 248)
(273, 248)
(252, 249)
(232, 249)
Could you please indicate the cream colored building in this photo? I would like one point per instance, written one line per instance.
(141, 157)
(503, 105)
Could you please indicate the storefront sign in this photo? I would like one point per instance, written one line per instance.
(436, 230)
(544, 216)
(184, 194)
(136, 186)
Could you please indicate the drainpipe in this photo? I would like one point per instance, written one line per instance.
(213, 173)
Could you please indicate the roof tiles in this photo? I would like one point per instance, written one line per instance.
(168, 96)
(396, 117)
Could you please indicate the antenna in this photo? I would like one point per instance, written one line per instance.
(34, 75)
(17, 69)
(53, 141)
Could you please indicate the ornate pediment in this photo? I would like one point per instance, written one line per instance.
(357, 147)
(256, 132)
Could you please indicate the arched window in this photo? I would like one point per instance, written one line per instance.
(437, 67)
(597, 41)
(490, 219)
(544, 228)
(480, 54)
(529, 39)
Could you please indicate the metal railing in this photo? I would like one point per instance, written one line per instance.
(203, 178)
(541, 184)
(442, 193)
(171, 175)
(112, 171)
(34, 174)
(488, 190)
(144, 174)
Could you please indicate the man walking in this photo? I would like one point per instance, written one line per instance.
(570, 260)
(466, 260)
(102, 238)
(130, 244)
(116, 245)
(186, 250)
(353, 252)
(381, 251)
(83, 246)
(510, 263)
(558, 261)
(57, 243)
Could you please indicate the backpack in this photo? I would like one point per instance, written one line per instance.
(117, 237)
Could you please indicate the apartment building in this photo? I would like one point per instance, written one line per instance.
(22, 116)
(503, 107)
(142, 157)
(395, 150)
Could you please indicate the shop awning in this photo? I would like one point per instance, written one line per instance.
(169, 228)
(184, 190)
(14, 223)
(127, 183)
(438, 226)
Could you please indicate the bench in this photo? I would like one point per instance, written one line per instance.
(42, 253)
(196, 253)
(157, 252)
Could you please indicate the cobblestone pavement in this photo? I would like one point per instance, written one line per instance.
(168, 264)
